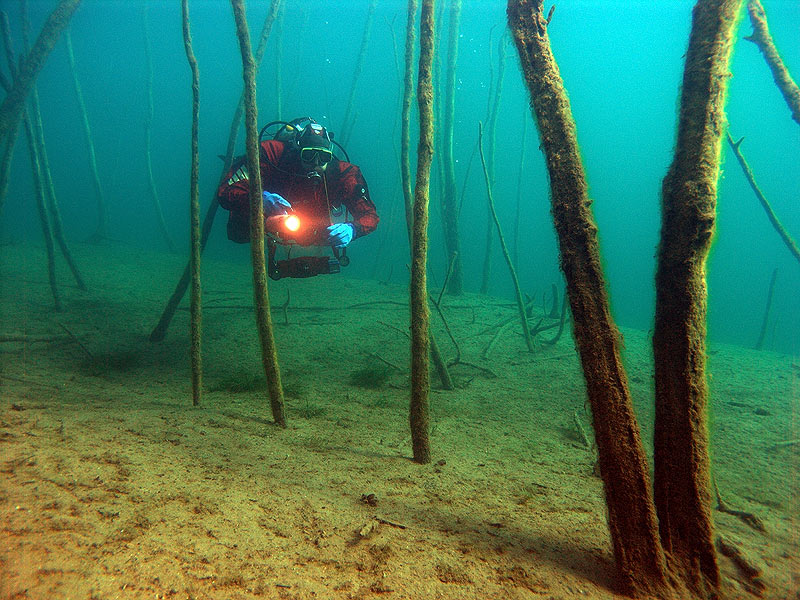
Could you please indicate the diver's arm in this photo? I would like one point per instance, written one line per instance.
(233, 192)
(356, 199)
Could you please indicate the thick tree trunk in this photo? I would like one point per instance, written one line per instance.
(689, 192)
(640, 562)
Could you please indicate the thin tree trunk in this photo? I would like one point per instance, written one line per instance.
(44, 219)
(518, 205)
(348, 122)
(450, 193)
(765, 321)
(640, 562)
(405, 169)
(194, 219)
(279, 63)
(36, 167)
(419, 416)
(160, 330)
(148, 134)
(493, 214)
(773, 218)
(762, 38)
(49, 189)
(101, 233)
(491, 131)
(11, 138)
(269, 354)
(689, 192)
(14, 103)
(405, 123)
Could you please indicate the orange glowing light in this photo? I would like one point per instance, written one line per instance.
(292, 223)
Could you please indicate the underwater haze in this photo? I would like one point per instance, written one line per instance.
(621, 65)
(114, 486)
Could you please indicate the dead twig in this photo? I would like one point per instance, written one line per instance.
(405, 333)
(484, 370)
(76, 340)
(389, 523)
(561, 322)
(751, 571)
(494, 339)
(746, 517)
(32, 338)
(581, 431)
(285, 307)
(783, 444)
(384, 361)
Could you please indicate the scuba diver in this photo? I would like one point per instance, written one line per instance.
(311, 198)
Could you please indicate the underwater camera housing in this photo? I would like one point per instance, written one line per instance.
(303, 266)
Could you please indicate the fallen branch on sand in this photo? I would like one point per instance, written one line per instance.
(746, 517)
(783, 444)
(76, 340)
(21, 337)
(744, 564)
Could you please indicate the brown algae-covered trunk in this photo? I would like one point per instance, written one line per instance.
(450, 193)
(194, 218)
(405, 120)
(689, 191)
(269, 354)
(419, 416)
(762, 38)
(14, 103)
(405, 169)
(160, 330)
(640, 562)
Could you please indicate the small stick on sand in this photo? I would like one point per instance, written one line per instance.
(744, 564)
(285, 307)
(783, 444)
(76, 340)
(748, 518)
(581, 430)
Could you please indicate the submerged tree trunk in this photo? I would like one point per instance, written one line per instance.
(101, 232)
(450, 193)
(160, 330)
(420, 314)
(35, 116)
(405, 170)
(689, 191)
(762, 38)
(640, 561)
(41, 205)
(348, 122)
(491, 129)
(14, 103)
(269, 354)
(194, 219)
(148, 135)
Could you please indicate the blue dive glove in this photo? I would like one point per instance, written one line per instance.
(341, 234)
(275, 204)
